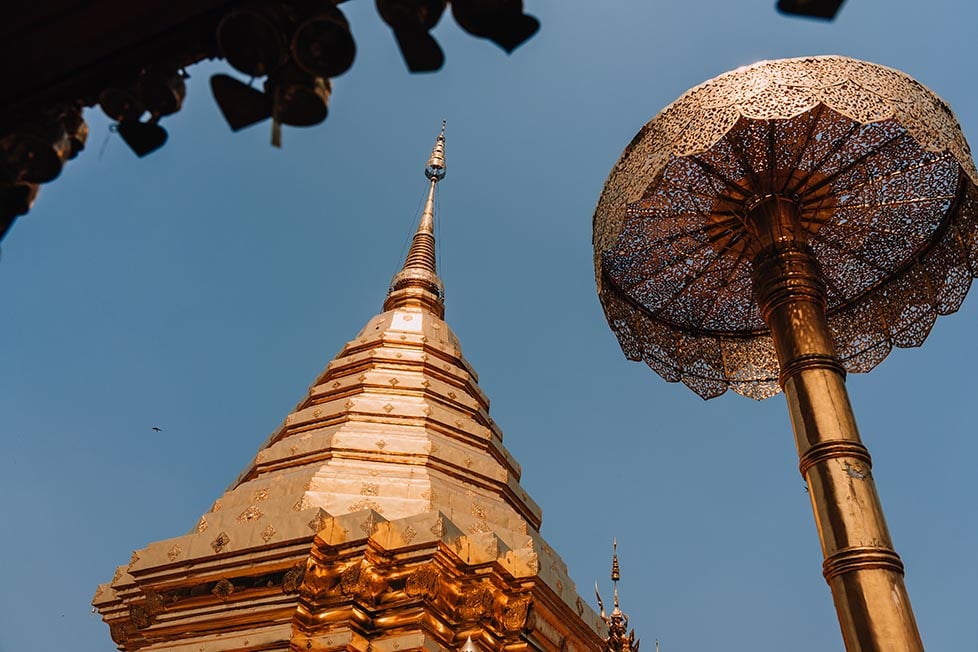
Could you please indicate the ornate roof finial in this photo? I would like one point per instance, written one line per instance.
(615, 571)
(619, 638)
(417, 284)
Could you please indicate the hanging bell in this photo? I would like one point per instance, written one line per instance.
(501, 21)
(322, 44)
(15, 199)
(298, 98)
(254, 38)
(36, 150)
(241, 105)
(142, 137)
(411, 21)
(76, 128)
(162, 93)
(813, 8)
(121, 103)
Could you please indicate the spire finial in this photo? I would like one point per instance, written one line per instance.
(620, 639)
(417, 284)
(435, 170)
(615, 570)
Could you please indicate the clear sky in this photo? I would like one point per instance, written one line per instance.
(201, 290)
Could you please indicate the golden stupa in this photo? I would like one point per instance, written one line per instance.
(384, 515)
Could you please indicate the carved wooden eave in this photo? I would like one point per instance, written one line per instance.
(384, 515)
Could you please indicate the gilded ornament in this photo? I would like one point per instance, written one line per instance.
(480, 527)
(318, 522)
(369, 489)
(514, 617)
(479, 511)
(381, 444)
(221, 542)
(368, 525)
(268, 533)
(292, 579)
(260, 495)
(350, 581)
(202, 524)
(423, 582)
(438, 529)
(119, 630)
(476, 602)
(223, 589)
(366, 503)
(408, 534)
(492, 548)
(174, 552)
(252, 513)
(155, 603)
(139, 617)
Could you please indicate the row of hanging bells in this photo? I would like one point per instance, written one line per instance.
(297, 47)
(35, 152)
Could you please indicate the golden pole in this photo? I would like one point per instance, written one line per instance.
(862, 569)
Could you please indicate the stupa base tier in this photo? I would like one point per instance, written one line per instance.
(419, 583)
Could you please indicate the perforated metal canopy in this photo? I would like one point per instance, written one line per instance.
(886, 186)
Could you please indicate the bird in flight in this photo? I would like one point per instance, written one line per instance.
(157, 429)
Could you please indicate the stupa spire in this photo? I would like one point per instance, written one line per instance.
(418, 284)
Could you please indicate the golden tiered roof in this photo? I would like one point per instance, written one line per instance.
(384, 514)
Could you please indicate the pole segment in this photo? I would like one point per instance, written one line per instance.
(863, 571)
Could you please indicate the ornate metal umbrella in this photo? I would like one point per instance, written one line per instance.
(775, 227)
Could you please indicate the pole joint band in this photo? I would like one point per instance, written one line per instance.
(827, 450)
(810, 361)
(849, 560)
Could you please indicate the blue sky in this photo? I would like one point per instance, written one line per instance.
(201, 290)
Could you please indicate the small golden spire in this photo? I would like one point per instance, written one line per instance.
(615, 571)
(417, 284)
(620, 639)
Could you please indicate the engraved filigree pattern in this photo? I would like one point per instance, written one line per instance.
(886, 187)
(267, 533)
